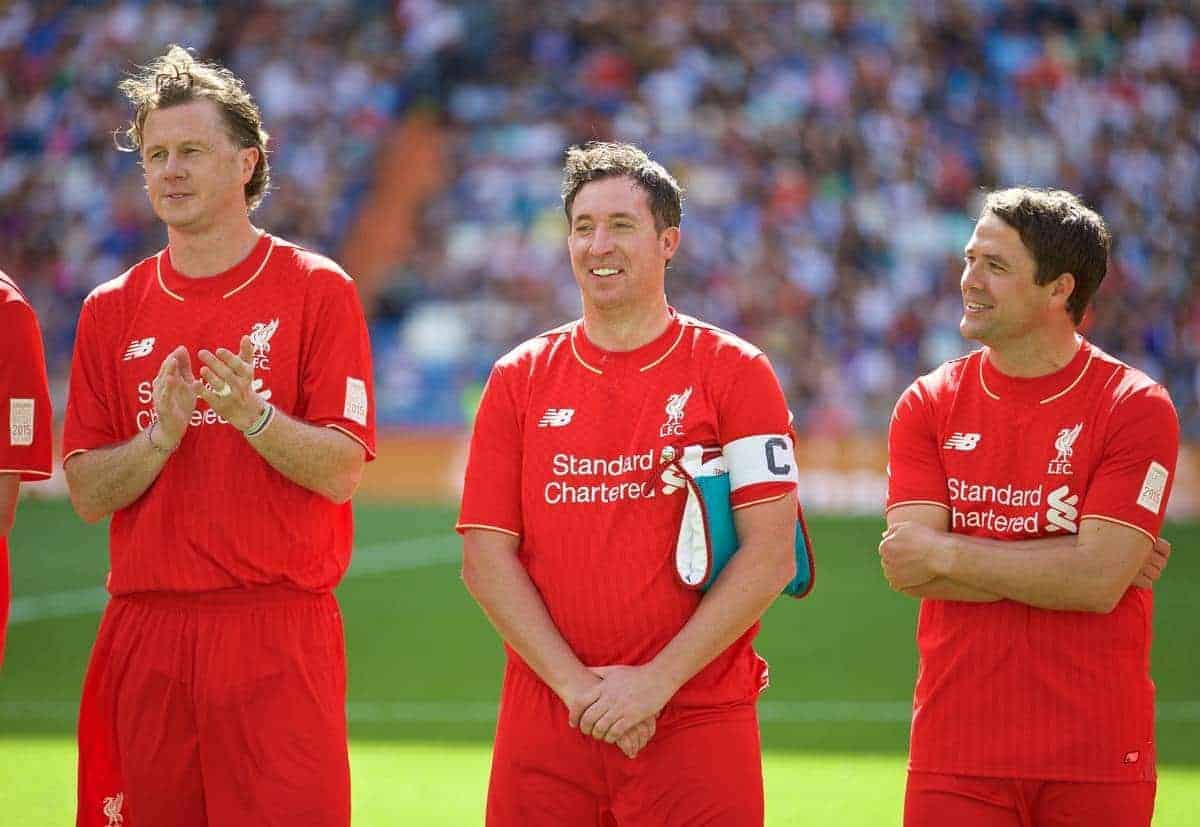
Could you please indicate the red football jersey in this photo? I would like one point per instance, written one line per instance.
(25, 415)
(1006, 689)
(25, 441)
(566, 454)
(218, 515)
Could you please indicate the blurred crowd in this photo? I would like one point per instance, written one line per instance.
(834, 155)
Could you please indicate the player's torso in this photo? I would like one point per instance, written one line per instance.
(268, 313)
(1018, 471)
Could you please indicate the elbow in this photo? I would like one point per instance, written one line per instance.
(86, 513)
(340, 487)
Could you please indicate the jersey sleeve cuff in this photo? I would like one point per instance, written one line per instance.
(370, 451)
(463, 528)
(1108, 519)
(916, 502)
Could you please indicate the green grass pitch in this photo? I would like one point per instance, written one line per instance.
(425, 671)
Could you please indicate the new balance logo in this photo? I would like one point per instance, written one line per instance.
(1062, 511)
(139, 348)
(556, 417)
(959, 441)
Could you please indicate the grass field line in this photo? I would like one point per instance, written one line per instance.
(484, 712)
(402, 555)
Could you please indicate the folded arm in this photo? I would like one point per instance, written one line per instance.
(1088, 571)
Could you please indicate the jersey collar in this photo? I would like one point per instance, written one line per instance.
(600, 361)
(1040, 389)
(222, 285)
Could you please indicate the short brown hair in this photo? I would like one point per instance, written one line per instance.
(1062, 234)
(176, 78)
(597, 160)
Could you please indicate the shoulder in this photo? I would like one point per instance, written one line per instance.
(536, 349)
(304, 264)
(132, 282)
(12, 300)
(715, 341)
(944, 381)
(1127, 387)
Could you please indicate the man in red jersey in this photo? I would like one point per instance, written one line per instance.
(569, 527)
(25, 448)
(1027, 487)
(220, 411)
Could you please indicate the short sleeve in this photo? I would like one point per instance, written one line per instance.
(915, 470)
(25, 414)
(337, 389)
(89, 421)
(1133, 479)
(755, 428)
(492, 487)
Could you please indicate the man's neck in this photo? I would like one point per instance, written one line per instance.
(1035, 356)
(624, 329)
(210, 252)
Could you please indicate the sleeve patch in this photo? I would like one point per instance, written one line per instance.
(356, 401)
(1153, 487)
(761, 458)
(20, 421)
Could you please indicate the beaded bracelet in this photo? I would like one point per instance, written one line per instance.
(260, 424)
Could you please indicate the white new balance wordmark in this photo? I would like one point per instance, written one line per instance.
(961, 442)
(556, 417)
(139, 348)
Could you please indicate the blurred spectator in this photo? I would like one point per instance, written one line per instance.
(834, 155)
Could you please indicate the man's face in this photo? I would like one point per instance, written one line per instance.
(618, 257)
(195, 173)
(1001, 302)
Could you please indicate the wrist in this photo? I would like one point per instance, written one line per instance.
(260, 422)
(159, 447)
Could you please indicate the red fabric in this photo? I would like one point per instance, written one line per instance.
(701, 767)
(216, 709)
(25, 413)
(933, 800)
(218, 515)
(1005, 689)
(23, 378)
(566, 454)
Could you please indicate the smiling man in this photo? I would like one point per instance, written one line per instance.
(628, 697)
(220, 412)
(1027, 487)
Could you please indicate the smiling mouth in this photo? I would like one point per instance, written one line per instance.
(976, 307)
(605, 272)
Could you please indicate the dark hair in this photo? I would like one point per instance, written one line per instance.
(1061, 233)
(177, 78)
(596, 160)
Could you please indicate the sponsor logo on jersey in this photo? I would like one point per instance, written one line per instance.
(20, 422)
(112, 809)
(600, 479)
(139, 348)
(676, 402)
(1153, 487)
(556, 417)
(260, 338)
(1062, 511)
(1061, 464)
(959, 441)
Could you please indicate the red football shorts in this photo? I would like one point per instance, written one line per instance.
(937, 800)
(702, 767)
(218, 708)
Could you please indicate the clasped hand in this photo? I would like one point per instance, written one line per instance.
(226, 383)
(620, 706)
